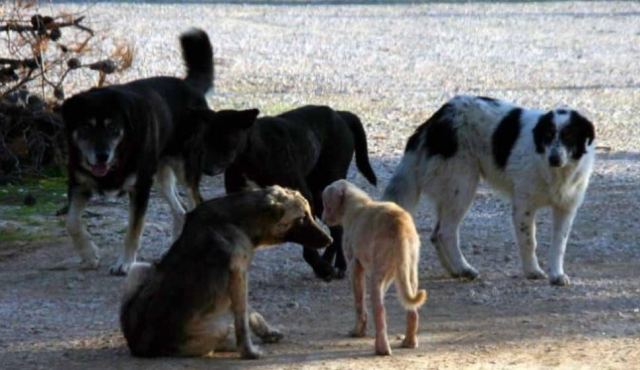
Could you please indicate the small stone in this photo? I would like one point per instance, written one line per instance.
(293, 305)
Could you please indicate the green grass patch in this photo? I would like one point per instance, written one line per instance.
(35, 221)
(22, 235)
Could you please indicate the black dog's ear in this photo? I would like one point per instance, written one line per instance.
(583, 128)
(72, 106)
(242, 119)
(578, 134)
(228, 118)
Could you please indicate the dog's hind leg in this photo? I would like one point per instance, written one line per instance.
(379, 287)
(562, 221)
(138, 201)
(524, 226)
(261, 328)
(452, 202)
(167, 181)
(358, 285)
(211, 333)
(76, 229)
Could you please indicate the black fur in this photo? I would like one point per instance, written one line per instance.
(187, 282)
(305, 149)
(544, 132)
(200, 68)
(163, 118)
(579, 133)
(489, 100)
(437, 134)
(505, 136)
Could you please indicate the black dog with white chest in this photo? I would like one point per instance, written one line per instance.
(305, 149)
(121, 136)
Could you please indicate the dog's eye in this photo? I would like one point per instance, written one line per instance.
(568, 137)
(300, 220)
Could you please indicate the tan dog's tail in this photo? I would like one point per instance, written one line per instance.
(407, 287)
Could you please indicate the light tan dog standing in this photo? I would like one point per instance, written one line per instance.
(379, 239)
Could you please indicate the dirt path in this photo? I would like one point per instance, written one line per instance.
(276, 57)
(68, 318)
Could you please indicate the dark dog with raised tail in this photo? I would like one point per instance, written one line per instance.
(121, 136)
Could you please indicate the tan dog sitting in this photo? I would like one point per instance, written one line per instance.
(381, 239)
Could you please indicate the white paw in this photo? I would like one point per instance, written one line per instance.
(90, 260)
(560, 280)
(467, 272)
(121, 267)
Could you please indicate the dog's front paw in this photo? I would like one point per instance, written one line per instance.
(252, 352)
(120, 268)
(272, 336)
(468, 273)
(324, 271)
(560, 280)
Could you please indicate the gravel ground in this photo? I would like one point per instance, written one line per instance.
(393, 65)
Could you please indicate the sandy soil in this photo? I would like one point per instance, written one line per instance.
(393, 65)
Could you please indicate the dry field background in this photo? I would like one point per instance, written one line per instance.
(393, 65)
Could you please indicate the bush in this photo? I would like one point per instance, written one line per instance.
(39, 52)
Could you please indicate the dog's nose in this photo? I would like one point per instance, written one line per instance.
(554, 161)
(102, 157)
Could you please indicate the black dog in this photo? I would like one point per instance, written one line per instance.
(121, 136)
(304, 149)
(176, 307)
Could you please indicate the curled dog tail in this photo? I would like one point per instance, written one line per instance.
(406, 280)
(360, 142)
(409, 297)
(197, 53)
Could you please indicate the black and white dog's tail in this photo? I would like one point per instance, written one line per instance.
(197, 53)
(403, 188)
(435, 137)
(360, 142)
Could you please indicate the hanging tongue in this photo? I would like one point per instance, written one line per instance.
(100, 169)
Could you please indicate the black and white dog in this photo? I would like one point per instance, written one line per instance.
(121, 136)
(305, 149)
(536, 158)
